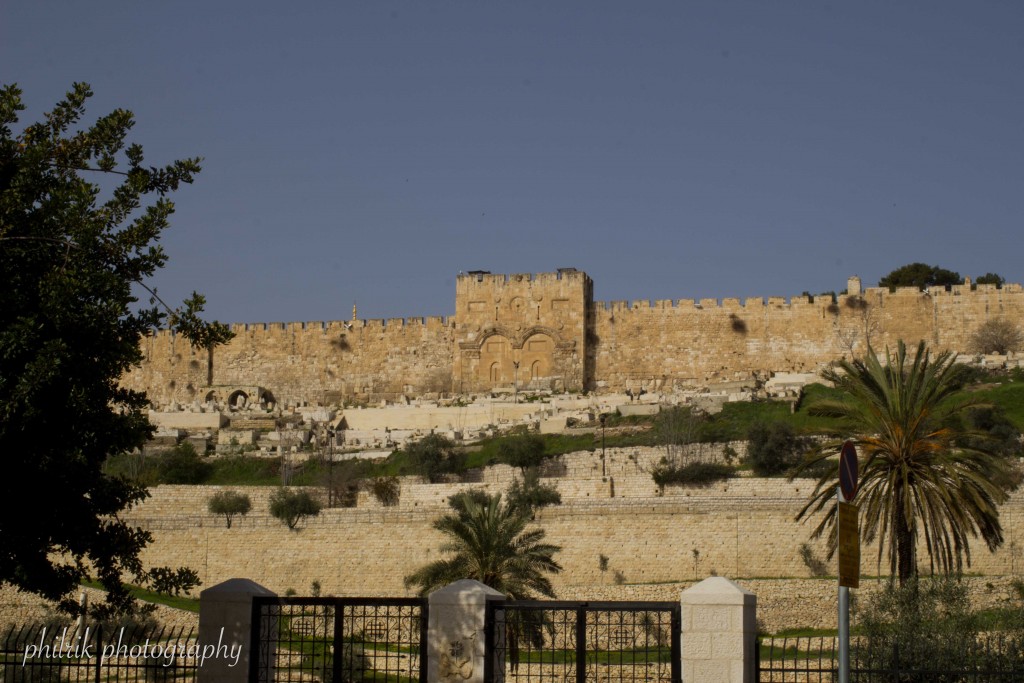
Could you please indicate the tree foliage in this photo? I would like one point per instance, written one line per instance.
(522, 450)
(990, 279)
(487, 540)
(997, 335)
(924, 477)
(229, 504)
(70, 327)
(920, 275)
(529, 494)
(386, 490)
(291, 506)
(434, 456)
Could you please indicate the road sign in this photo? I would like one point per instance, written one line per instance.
(848, 471)
(849, 546)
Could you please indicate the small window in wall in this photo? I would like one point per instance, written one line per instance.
(535, 370)
(495, 372)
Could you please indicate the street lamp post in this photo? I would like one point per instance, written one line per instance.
(603, 417)
(515, 381)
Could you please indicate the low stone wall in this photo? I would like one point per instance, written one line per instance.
(19, 609)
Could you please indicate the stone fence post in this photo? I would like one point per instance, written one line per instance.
(456, 646)
(225, 630)
(719, 630)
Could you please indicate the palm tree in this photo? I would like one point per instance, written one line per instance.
(487, 540)
(923, 477)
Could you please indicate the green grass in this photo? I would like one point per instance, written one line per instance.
(145, 595)
(243, 470)
(1009, 397)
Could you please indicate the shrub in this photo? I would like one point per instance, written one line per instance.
(386, 490)
(773, 448)
(172, 581)
(182, 465)
(291, 507)
(996, 336)
(926, 625)
(229, 504)
(690, 474)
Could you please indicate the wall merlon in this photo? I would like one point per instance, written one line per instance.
(753, 302)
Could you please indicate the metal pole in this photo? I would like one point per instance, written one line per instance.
(844, 618)
(515, 372)
(603, 418)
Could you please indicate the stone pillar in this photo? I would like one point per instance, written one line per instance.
(225, 630)
(456, 645)
(719, 628)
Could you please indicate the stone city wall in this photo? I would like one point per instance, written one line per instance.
(316, 363)
(677, 344)
(549, 325)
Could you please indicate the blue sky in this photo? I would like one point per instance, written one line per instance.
(369, 151)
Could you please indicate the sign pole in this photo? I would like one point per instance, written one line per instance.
(848, 537)
(844, 622)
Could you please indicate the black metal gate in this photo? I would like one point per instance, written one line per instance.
(576, 642)
(335, 640)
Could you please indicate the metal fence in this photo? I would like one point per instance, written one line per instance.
(40, 653)
(575, 642)
(338, 640)
(991, 658)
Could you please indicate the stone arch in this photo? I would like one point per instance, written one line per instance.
(212, 397)
(538, 355)
(496, 356)
(238, 399)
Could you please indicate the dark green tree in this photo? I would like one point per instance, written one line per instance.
(71, 256)
(925, 478)
(434, 456)
(920, 275)
(522, 450)
(487, 540)
(990, 279)
(229, 504)
(530, 494)
(291, 507)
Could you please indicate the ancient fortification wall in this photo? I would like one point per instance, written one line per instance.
(545, 331)
(673, 344)
(304, 362)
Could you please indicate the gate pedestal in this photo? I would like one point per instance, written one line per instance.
(225, 622)
(456, 646)
(719, 630)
